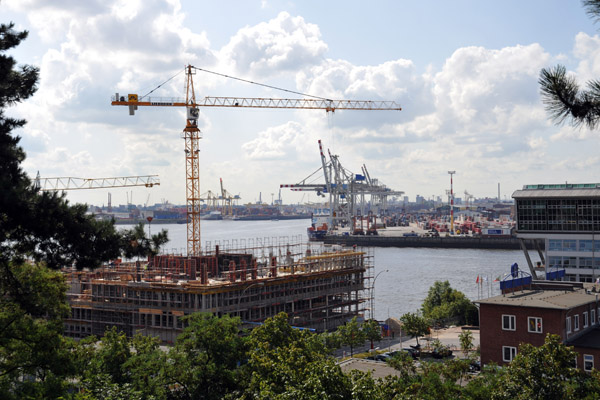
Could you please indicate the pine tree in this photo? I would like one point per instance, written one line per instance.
(39, 232)
(561, 93)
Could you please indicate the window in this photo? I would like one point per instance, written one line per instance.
(568, 324)
(555, 245)
(569, 245)
(534, 324)
(588, 362)
(585, 319)
(508, 322)
(508, 353)
(593, 317)
(586, 245)
(577, 322)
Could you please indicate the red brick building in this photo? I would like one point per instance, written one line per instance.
(568, 309)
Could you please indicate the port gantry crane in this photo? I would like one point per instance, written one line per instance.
(347, 191)
(191, 132)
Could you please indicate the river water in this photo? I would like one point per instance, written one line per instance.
(403, 275)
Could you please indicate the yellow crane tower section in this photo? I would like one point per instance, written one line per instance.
(191, 132)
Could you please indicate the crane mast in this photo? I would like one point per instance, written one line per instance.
(192, 136)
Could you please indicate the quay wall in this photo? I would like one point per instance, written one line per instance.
(433, 242)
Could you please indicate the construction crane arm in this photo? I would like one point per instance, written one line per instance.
(71, 183)
(132, 100)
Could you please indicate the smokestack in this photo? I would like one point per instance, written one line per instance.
(499, 200)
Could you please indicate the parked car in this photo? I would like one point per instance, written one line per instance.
(380, 357)
(475, 366)
(441, 352)
(414, 353)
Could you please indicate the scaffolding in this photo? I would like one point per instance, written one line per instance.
(319, 287)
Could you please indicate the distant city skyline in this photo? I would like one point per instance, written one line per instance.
(464, 72)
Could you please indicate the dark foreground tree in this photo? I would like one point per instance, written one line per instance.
(37, 225)
(137, 244)
(204, 364)
(38, 230)
(288, 363)
(561, 94)
(35, 359)
(546, 372)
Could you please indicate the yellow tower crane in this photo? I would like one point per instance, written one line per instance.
(191, 132)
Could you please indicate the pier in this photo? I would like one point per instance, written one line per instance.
(449, 242)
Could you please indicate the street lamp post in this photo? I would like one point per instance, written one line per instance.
(242, 294)
(373, 293)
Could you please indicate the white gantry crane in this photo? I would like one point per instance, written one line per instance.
(351, 195)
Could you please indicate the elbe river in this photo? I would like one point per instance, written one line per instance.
(404, 275)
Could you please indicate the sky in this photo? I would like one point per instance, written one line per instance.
(464, 72)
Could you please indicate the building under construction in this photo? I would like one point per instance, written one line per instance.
(318, 287)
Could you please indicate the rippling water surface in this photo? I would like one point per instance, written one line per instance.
(404, 275)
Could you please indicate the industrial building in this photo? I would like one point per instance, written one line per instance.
(319, 288)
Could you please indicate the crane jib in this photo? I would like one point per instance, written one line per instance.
(235, 102)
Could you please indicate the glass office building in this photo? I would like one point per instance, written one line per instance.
(567, 218)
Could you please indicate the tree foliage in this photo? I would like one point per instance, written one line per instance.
(39, 232)
(561, 93)
(39, 225)
(545, 372)
(35, 359)
(414, 325)
(288, 363)
(206, 357)
(371, 331)
(443, 303)
(135, 243)
(351, 334)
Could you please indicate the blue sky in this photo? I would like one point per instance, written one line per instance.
(465, 73)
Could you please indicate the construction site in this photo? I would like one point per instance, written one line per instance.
(318, 287)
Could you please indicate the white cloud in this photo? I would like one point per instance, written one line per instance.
(279, 142)
(479, 113)
(587, 50)
(284, 43)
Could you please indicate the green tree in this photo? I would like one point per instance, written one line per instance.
(204, 362)
(466, 341)
(148, 367)
(136, 244)
(121, 367)
(371, 331)
(444, 303)
(39, 225)
(544, 372)
(414, 325)
(403, 363)
(561, 94)
(351, 335)
(35, 359)
(288, 363)
(48, 232)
